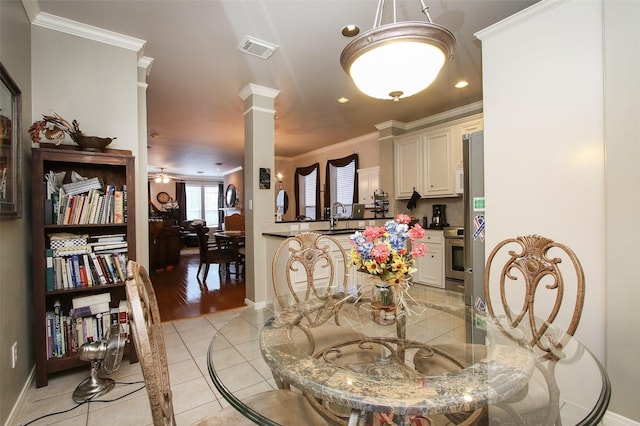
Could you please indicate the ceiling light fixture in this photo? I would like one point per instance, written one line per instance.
(461, 84)
(399, 59)
(162, 177)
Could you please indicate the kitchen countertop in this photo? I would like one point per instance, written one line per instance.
(287, 234)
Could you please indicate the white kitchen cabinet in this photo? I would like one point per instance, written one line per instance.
(430, 160)
(408, 158)
(354, 280)
(368, 183)
(469, 125)
(424, 164)
(431, 266)
(438, 169)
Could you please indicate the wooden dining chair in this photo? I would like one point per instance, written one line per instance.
(535, 290)
(234, 247)
(210, 253)
(234, 222)
(284, 407)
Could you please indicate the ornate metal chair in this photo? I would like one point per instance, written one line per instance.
(148, 337)
(527, 279)
(310, 270)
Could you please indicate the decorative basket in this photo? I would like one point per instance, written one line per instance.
(91, 143)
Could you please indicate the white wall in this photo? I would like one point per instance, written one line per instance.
(622, 107)
(96, 85)
(561, 159)
(544, 141)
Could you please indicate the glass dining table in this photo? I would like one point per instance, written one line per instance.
(438, 363)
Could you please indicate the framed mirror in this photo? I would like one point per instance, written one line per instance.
(231, 195)
(282, 201)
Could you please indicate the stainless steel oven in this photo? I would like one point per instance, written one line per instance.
(454, 259)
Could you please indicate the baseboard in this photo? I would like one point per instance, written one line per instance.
(18, 407)
(259, 305)
(613, 419)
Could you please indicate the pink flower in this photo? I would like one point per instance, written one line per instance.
(380, 252)
(403, 219)
(419, 250)
(416, 233)
(371, 233)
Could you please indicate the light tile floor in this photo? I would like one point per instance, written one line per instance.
(194, 395)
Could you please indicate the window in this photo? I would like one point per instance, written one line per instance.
(202, 202)
(342, 182)
(307, 181)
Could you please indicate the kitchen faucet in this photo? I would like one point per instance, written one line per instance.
(333, 218)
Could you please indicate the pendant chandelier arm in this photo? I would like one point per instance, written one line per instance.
(425, 10)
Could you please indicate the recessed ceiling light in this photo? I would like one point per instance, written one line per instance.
(219, 163)
(343, 100)
(200, 172)
(350, 30)
(461, 84)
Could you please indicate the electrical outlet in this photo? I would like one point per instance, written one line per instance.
(14, 354)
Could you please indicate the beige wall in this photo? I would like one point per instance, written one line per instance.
(555, 166)
(15, 235)
(367, 148)
(622, 201)
(98, 86)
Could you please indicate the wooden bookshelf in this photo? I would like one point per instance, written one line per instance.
(113, 167)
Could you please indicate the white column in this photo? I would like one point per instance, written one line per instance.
(259, 129)
(142, 209)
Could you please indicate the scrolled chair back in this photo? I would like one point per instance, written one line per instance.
(310, 268)
(148, 338)
(526, 280)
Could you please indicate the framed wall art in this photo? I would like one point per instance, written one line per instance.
(10, 148)
(265, 178)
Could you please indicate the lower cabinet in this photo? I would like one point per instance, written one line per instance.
(431, 266)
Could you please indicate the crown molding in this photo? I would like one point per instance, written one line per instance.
(518, 18)
(255, 89)
(445, 116)
(64, 25)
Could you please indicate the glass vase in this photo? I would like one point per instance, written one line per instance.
(383, 302)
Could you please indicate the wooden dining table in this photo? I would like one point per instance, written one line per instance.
(234, 241)
(236, 238)
(396, 377)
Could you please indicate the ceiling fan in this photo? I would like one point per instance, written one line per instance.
(163, 177)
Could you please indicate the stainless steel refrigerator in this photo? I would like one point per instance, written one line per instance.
(473, 196)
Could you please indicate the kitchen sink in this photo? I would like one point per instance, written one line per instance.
(339, 231)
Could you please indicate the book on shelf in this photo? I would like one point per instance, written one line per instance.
(93, 299)
(107, 238)
(123, 316)
(86, 311)
(118, 207)
(98, 269)
(50, 277)
(57, 329)
(82, 186)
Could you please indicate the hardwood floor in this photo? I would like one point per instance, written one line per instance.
(182, 294)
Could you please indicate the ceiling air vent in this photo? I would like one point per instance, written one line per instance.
(256, 47)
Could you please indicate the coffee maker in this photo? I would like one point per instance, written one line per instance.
(439, 218)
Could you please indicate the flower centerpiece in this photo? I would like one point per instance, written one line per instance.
(381, 251)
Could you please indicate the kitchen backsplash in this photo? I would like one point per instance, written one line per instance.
(424, 207)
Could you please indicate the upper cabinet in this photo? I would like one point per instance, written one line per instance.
(427, 160)
(368, 184)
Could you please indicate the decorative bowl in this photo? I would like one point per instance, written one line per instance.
(91, 143)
